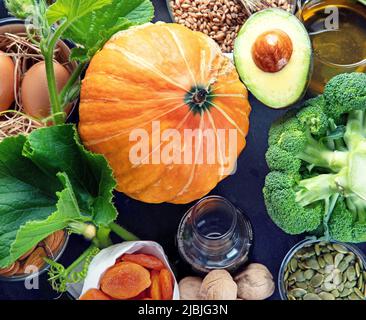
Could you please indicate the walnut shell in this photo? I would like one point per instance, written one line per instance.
(219, 285)
(189, 288)
(255, 283)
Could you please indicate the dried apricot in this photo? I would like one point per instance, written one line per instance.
(94, 294)
(144, 294)
(145, 260)
(125, 280)
(166, 284)
(155, 291)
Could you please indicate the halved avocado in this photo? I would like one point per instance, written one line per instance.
(273, 55)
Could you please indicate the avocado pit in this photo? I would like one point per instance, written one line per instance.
(272, 50)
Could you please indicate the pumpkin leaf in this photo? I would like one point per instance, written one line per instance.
(72, 10)
(93, 30)
(42, 192)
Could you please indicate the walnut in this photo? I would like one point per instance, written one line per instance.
(255, 283)
(189, 288)
(219, 285)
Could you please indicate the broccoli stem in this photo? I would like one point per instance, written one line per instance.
(358, 207)
(317, 188)
(319, 155)
(355, 130)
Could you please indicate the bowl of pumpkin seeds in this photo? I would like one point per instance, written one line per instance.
(323, 270)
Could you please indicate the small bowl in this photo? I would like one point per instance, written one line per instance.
(305, 243)
(228, 54)
(293, 2)
(17, 26)
(46, 266)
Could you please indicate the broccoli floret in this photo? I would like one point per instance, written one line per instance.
(318, 155)
(285, 211)
(313, 116)
(348, 220)
(345, 93)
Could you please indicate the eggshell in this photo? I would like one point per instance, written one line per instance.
(6, 81)
(34, 89)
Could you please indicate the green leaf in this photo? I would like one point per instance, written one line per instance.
(73, 9)
(47, 181)
(92, 31)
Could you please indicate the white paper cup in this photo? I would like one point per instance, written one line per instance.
(108, 257)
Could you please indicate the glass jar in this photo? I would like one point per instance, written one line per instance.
(55, 256)
(305, 243)
(214, 234)
(337, 29)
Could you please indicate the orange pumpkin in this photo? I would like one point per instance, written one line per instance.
(174, 78)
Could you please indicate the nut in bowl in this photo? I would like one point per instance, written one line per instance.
(319, 270)
(142, 263)
(33, 263)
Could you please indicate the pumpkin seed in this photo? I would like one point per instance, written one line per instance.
(328, 258)
(340, 287)
(311, 296)
(335, 293)
(302, 285)
(350, 284)
(354, 296)
(329, 268)
(326, 296)
(298, 292)
(338, 258)
(343, 266)
(359, 293)
(345, 292)
(358, 269)
(329, 278)
(321, 262)
(340, 248)
(308, 274)
(291, 297)
(317, 280)
(337, 277)
(328, 286)
(299, 276)
(285, 277)
(293, 264)
(313, 264)
(351, 273)
(360, 283)
(349, 258)
(317, 249)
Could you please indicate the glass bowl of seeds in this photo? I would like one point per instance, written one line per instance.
(221, 19)
(319, 270)
(32, 263)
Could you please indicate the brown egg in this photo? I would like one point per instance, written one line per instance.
(6, 81)
(34, 89)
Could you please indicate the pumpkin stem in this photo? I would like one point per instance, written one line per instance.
(199, 97)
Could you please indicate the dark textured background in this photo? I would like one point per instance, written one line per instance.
(159, 222)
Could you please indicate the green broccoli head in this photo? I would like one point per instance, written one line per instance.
(317, 154)
(345, 93)
(285, 211)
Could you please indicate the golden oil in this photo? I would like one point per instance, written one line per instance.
(338, 32)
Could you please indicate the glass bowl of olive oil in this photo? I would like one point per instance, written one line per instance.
(337, 29)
